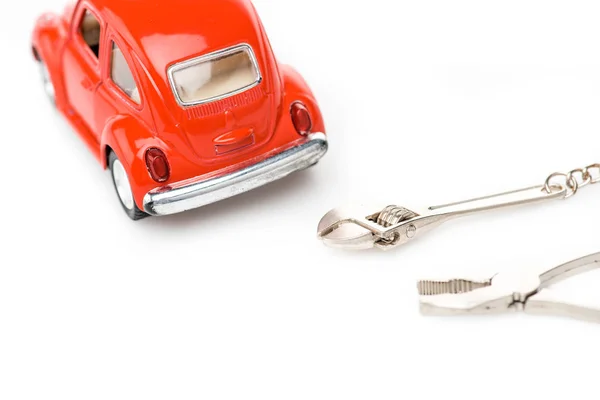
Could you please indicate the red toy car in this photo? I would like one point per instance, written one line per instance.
(183, 100)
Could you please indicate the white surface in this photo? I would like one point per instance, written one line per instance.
(425, 102)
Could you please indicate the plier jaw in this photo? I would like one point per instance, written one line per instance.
(500, 294)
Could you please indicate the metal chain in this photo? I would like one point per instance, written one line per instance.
(573, 181)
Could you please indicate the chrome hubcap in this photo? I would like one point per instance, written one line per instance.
(122, 185)
(48, 86)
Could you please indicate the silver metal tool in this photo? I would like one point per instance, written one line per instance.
(506, 293)
(392, 226)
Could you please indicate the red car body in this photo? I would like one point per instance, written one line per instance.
(235, 141)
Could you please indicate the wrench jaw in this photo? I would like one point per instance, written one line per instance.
(359, 228)
(339, 228)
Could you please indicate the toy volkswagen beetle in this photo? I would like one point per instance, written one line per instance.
(183, 100)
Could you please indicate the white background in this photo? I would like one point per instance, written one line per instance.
(425, 102)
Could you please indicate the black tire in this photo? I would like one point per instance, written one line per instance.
(132, 210)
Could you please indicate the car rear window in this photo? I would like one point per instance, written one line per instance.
(215, 76)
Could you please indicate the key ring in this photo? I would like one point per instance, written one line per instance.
(570, 183)
(570, 180)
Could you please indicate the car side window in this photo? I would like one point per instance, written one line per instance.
(121, 74)
(90, 31)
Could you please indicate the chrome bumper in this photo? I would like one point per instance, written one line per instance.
(199, 191)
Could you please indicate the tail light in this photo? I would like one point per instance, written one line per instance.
(301, 118)
(157, 165)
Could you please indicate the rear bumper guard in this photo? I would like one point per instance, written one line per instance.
(200, 191)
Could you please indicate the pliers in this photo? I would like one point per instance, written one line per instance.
(507, 293)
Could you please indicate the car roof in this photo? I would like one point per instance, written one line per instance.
(165, 32)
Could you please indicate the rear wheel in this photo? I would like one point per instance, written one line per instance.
(123, 188)
(47, 82)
